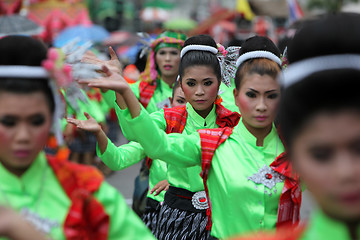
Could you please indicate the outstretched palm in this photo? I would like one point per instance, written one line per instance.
(114, 65)
(90, 125)
(111, 80)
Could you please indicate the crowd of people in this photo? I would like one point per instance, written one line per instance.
(214, 173)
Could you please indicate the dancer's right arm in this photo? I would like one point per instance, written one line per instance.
(179, 149)
(116, 158)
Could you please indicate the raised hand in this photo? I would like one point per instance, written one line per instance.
(159, 187)
(111, 80)
(90, 125)
(114, 65)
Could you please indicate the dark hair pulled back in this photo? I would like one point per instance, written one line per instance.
(24, 51)
(200, 58)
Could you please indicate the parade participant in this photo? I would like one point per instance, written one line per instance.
(183, 213)
(155, 84)
(126, 155)
(320, 120)
(245, 171)
(63, 200)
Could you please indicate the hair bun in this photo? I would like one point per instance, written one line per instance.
(329, 35)
(258, 43)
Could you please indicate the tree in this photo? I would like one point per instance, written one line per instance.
(330, 6)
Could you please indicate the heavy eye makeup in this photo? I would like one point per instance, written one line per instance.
(175, 53)
(321, 154)
(37, 119)
(180, 100)
(8, 121)
(273, 95)
(208, 83)
(190, 82)
(250, 94)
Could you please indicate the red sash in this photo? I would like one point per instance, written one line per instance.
(210, 139)
(176, 120)
(146, 92)
(290, 198)
(86, 218)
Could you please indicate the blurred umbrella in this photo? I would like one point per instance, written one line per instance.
(184, 24)
(94, 33)
(120, 38)
(16, 24)
(127, 54)
(150, 14)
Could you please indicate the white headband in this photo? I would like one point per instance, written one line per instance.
(23, 72)
(258, 54)
(300, 70)
(20, 71)
(198, 48)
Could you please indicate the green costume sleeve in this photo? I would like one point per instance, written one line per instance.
(126, 130)
(124, 156)
(178, 149)
(109, 97)
(124, 224)
(93, 108)
(118, 158)
(124, 114)
(135, 88)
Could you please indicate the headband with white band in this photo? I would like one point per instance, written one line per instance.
(257, 54)
(300, 70)
(198, 48)
(23, 72)
(28, 72)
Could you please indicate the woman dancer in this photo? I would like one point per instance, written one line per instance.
(245, 172)
(124, 156)
(183, 213)
(62, 199)
(320, 118)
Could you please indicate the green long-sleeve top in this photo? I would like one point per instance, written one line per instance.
(238, 204)
(126, 155)
(39, 191)
(121, 157)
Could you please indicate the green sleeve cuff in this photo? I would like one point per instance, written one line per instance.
(109, 97)
(123, 115)
(124, 156)
(178, 149)
(159, 119)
